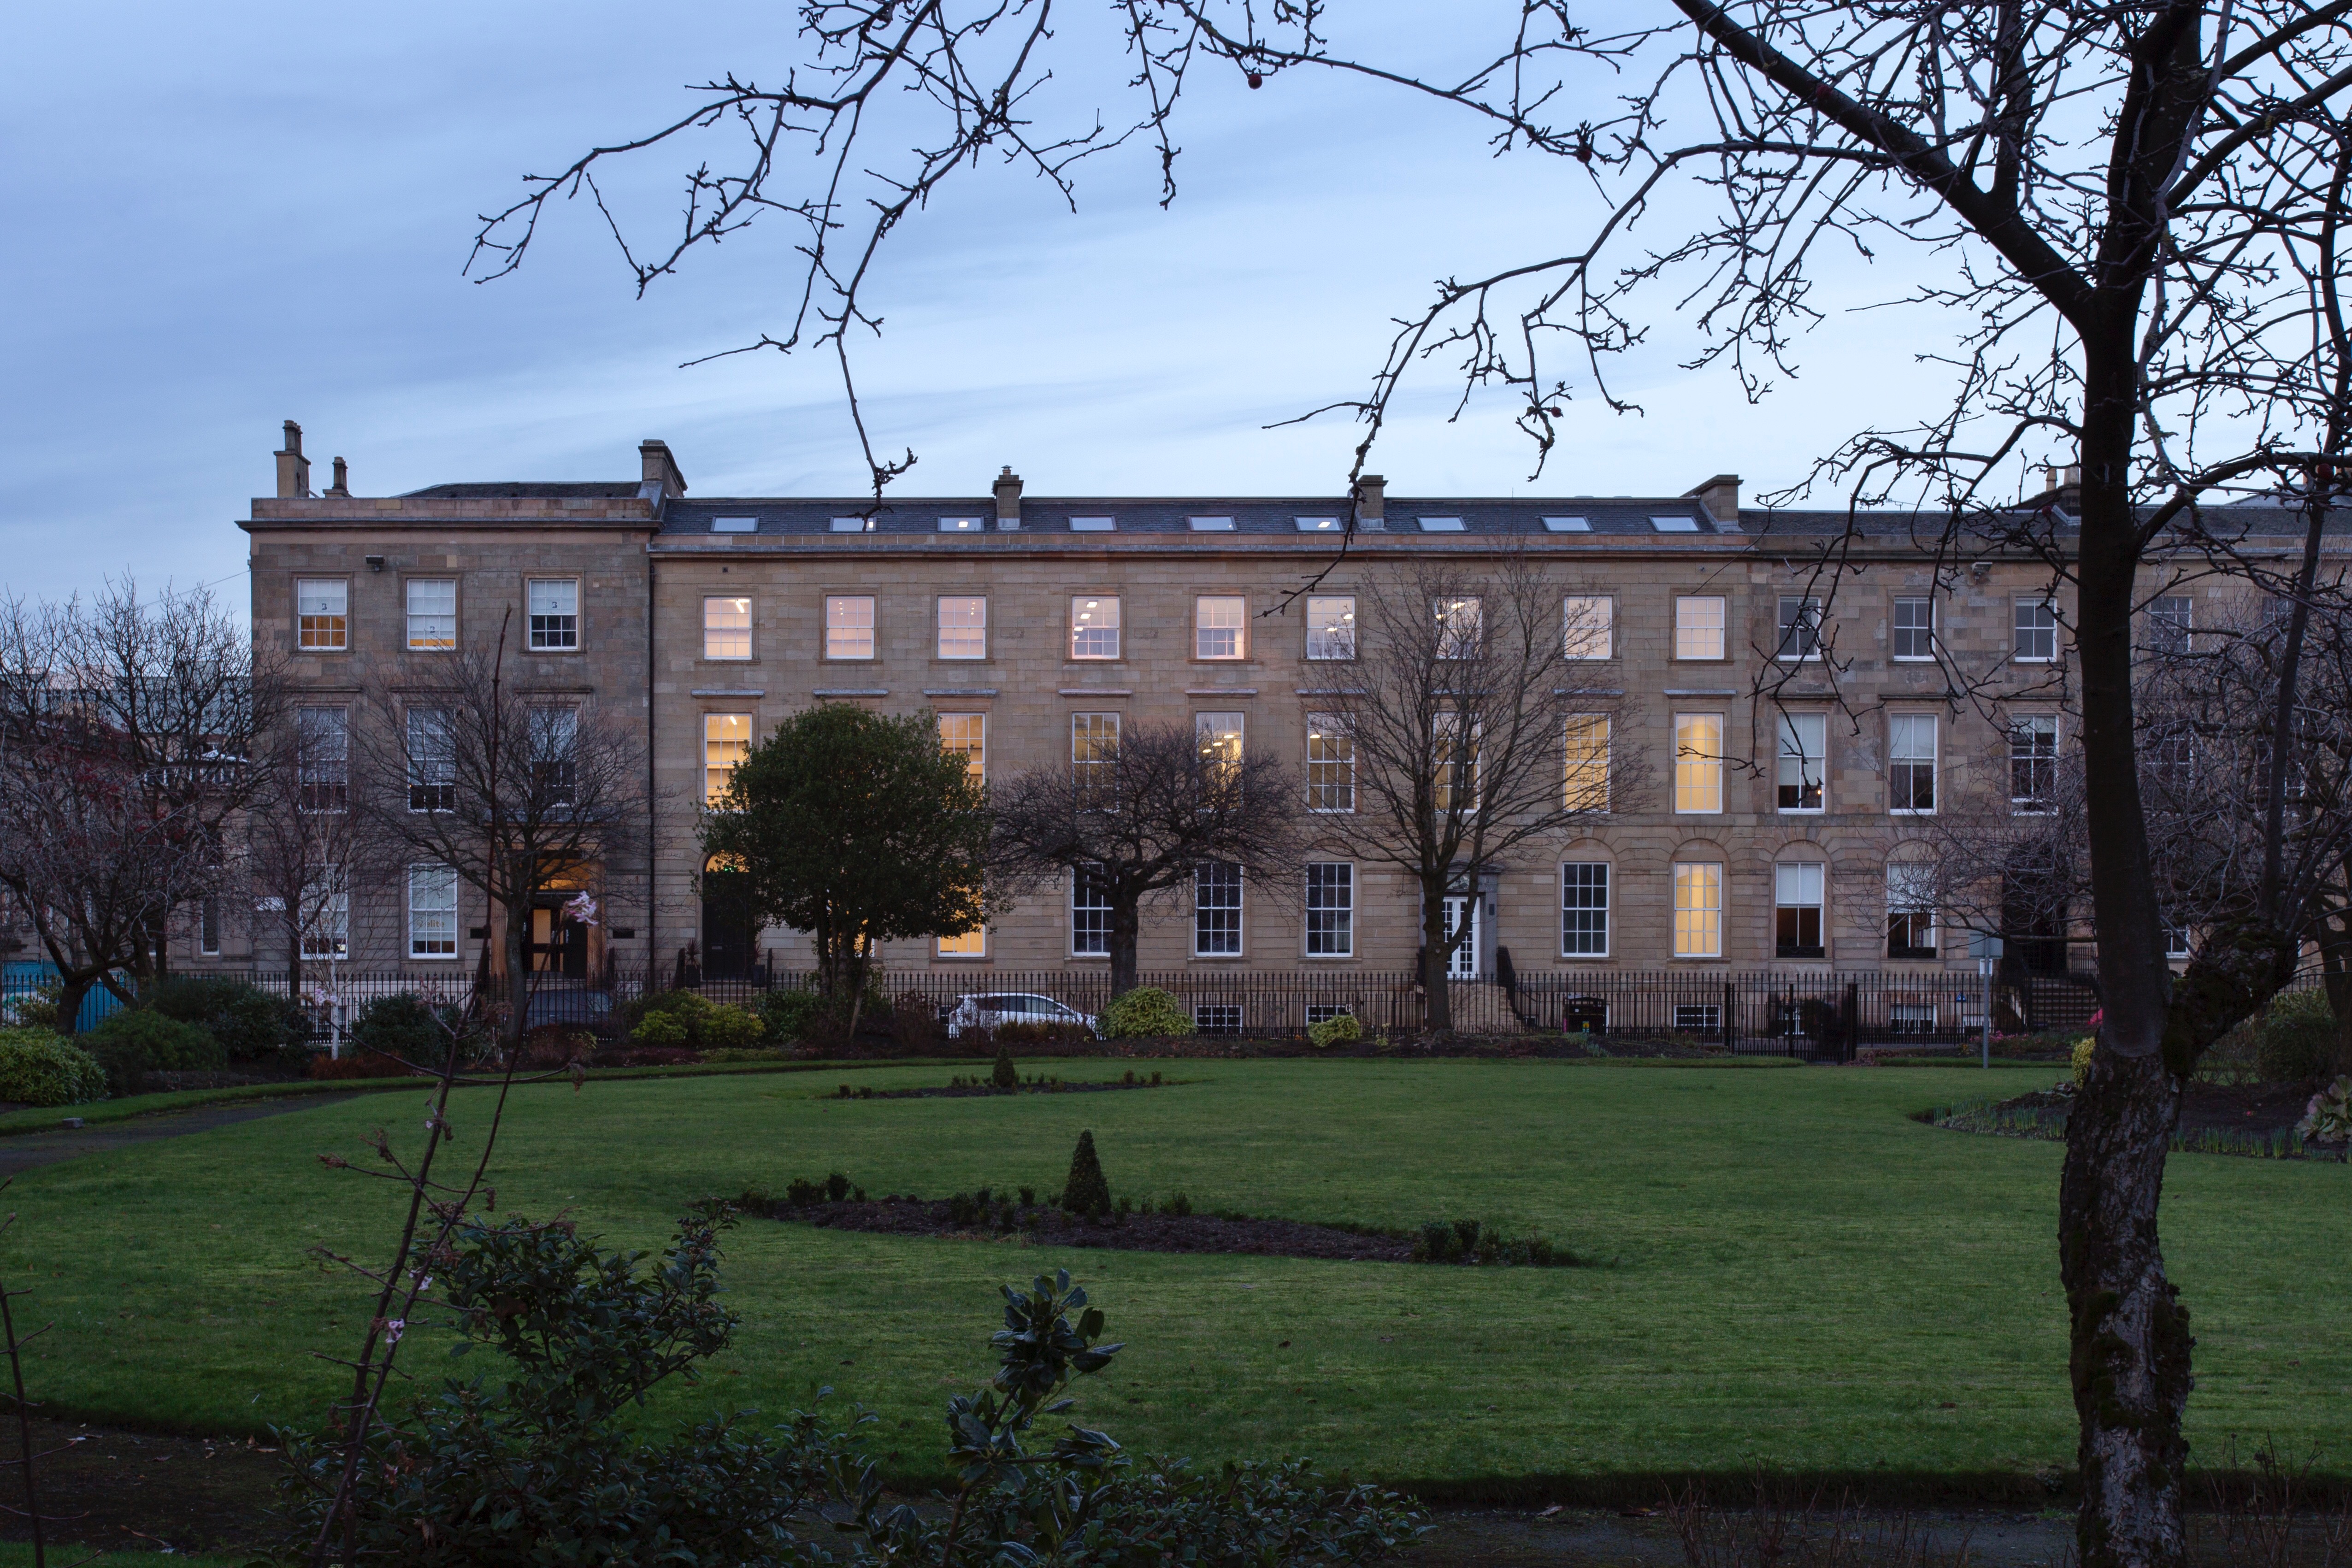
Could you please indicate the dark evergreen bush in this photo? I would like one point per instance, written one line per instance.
(166, 1045)
(401, 1026)
(251, 1025)
(1007, 1076)
(1085, 1192)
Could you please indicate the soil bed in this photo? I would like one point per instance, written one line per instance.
(982, 1090)
(1132, 1233)
(2214, 1119)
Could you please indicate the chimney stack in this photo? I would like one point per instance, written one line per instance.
(661, 469)
(342, 485)
(1008, 498)
(1372, 503)
(1720, 497)
(293, 468)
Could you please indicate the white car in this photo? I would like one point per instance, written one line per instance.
(1000, 1007)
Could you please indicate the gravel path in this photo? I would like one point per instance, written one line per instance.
(24, 1151)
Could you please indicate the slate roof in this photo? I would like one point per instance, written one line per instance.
(1049, 516)
(515, 490)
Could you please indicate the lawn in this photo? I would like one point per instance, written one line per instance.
(1798, 1277)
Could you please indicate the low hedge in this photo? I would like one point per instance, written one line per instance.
(37, 1068)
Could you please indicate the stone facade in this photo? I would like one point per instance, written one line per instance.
(664, 635)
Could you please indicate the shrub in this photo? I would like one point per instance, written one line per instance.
(1022, 1032)
(732, 1029)
(751, 1054)
(166, 1045)
(35, 1009)
(1339, 1029)
(401, 1026)
(125, 1066)
(2296, 1041)
(1005, 1076)
(1085, 1192)
(790, 1015)
(250, 1023)
(2081, 1058)
(1145, 1012)
(37, 1068)
(2328, 1118)
(688, 1018)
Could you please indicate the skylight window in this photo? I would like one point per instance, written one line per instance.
(1441, 525)
(1093, 524)
(734, 525)
(853, 525)
(1674, 524)
(960, 525)
(1568, 524)
(1319, 525)
(1211, 524)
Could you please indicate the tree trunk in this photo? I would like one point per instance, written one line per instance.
(518, 979)
(1126, 926)
(72, 989)
(1434, 952)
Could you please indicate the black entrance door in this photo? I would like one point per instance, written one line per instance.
(2032, 920)
(727, 928)
(559, 944)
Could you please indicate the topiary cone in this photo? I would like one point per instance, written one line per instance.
(1007, 1076)
(1085, 1192)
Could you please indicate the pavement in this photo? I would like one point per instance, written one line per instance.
(26, 1151)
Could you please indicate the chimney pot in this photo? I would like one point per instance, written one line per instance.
(341, 486)
(1008, 498)
(1372, 503)
(293, 468)
(659, 468)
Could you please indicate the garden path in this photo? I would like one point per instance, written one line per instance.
(26, 1150)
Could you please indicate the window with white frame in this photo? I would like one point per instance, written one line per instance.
(326, 913)
(1698, 909)
(554, 737)
(1797, 890)
(726, 741)
(208, 928)
(553, 605)
(2168, 618)
(2180, 942)
(1584, 908)
(2033, 762)
(1324, 1012)
(1093, 626)
(1802, 764)
(432, 911)
(323, 753)
(2036, 633)
(966, 735)
(1698, 763)
(1799, 628)
(1217, 738)
(1332, 626)
(1915, 628)
(727, 629)
(431, 747)
(432, 613)
(1588, 627)
(849, 625)
(1461, 626)
(1089, 913)
(1330, 763)
(964, 626)
(322, 614)
(1217, 1019)
(1330, 909)
(1911, 762)
(1584, 779)
(972, 943)
(1698, 627)
(1455, 757)
(1218, 620)
(1217, 910)
(1094, 758)
(1702, 1018)
(1910, 910)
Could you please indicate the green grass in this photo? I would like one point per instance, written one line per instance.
(19, 1554)
(1802, 1279)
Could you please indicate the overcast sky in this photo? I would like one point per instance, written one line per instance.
(224, 218)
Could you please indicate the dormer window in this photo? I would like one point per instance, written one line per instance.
(734, 525)
(1093, 524)
(1674, 524)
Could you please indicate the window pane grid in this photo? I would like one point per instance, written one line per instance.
(1089, 914)
(2033, 763)
(1588, 627)
(1698, 910)
(1910, 910)
(1461, 626)
(1797, 908)
(2037, 630)
(554, 606)
(726, 741)
(849, 625)
(431, 761)
(1911, 762)
(1584, 910)
(1915, 628)
(432, 613)
(322, 614)
(1217, 910)
(1330, 765)
(1094, 757)
(323, 743)
(963, 627)
(1698, 627)
(1331, 627)
(726, 628)
(1585, 779)
(967, 734)
(1094, 628)
(1217, 628)
(432, 911)
(1800, 628)
(1330, 910)
(1698, 763)
(1804, 748)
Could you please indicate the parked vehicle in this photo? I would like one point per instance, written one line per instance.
(996, 1009)
(589, 1010)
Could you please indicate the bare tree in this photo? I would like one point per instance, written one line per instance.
(298, 846)
(126, 736)
(514, 794)
(1468, 735)
(2132, 213)
(1139, 814)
